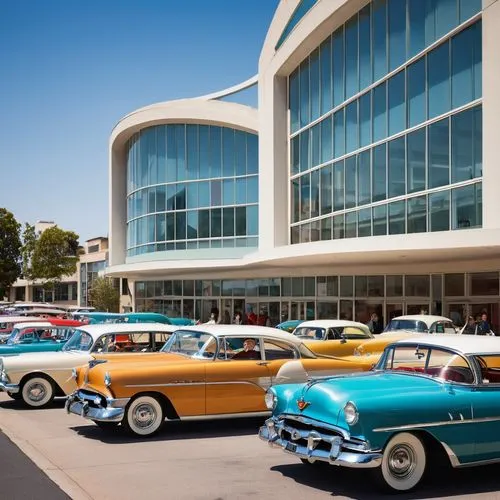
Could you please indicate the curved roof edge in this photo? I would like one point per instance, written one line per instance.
(251, 82)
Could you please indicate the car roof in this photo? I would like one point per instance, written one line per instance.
(18, 319)
(332, 323)
(429, 319)
(243, 331)
(34, 324)
(465, 344)
(103, 328)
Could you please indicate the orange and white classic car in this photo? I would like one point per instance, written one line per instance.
(202, 372)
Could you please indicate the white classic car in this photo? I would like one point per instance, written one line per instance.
(36, 378)
(421, 323)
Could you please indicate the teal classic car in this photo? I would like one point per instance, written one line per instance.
(289, 325)
(40, 336)
(428, 397)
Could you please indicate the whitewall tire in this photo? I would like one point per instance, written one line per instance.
(403, 462)
(144, 416)
(37, 392)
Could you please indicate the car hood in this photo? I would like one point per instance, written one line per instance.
(372, 392)
(42, 359)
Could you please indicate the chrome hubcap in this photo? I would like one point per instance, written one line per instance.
(144, 415)
(36, 392)
(402, 461)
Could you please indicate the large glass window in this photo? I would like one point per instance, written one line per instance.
(397, 103)
(364, 178)
(396, 178)
(415, 164)
(379, 180)
(439, 211)
(439, 154)
(397, 33)
(438, 81)
(417, 105)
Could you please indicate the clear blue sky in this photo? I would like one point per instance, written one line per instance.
(69, 70)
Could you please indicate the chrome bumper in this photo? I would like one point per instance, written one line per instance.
(337, 454)
(80, 404)
(5, 387)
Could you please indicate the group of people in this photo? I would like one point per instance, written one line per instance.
(249, 318)
(478, 325)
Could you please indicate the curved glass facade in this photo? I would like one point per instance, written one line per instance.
(386, 124)
(302, 9)
(191, 186)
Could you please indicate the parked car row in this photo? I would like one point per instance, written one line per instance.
(333, 392)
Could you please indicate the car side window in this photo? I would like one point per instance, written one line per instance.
(276, 349)
(490, 368)
(331, 334)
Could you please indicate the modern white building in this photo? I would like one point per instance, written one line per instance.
(367, 179)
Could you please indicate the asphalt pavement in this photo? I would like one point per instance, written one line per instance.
(20, 478)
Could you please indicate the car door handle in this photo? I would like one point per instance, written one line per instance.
(263, 363)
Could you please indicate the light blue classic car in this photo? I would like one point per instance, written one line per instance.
(428, 397)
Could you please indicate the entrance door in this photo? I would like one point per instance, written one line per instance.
(206, 307)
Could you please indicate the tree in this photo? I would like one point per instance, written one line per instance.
(10, 250)
(28, 248)
(104, 296)
(54, 255)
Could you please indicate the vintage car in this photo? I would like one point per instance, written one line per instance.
(36, 378)
(203, 372)
(421, 323)
(7, 324)
(289, 325)
(397, 418)
(44, 335)
(335, 337)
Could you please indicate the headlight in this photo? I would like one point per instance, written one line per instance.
(351, 414)
(107, 379)
(271, 399)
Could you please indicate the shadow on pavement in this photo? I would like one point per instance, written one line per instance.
(12, 404)
(357, 484)
(172, 431)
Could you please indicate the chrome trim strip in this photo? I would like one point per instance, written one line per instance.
(221, 416)
(189, 383)
(435, 424)
(5, 387)
(310, 421)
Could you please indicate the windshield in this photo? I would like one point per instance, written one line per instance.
(310, 332)
(430, 361)
(193, 344)
(80, 341)
(413, 325)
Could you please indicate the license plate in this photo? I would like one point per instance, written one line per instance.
(291, 447)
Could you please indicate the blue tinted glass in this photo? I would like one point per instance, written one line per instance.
(439, 211)
(305, 197)
(469, 8)
(365, 53)
(397, 33)
(204, 142)
(241, 191)
(301, 10)
(171, 194)
(326, 75)
(161, 145)
(180, 225)
(350, 182)
(326, 189)
(338, 186)
(351, 127)
(417, 102)
(161, 227)
(364, 178)
(417, 214)
(351, 58)
(215, 222)
(295, 201)
(379, 104)
(396, 173)
(430, 21)
(180, 139)
(438, 154)
(192, 159)
(294, 98)
(228, 191)
(315, 145)
(380, 220)
(379, 183)
(326, 139)
(295, 154)
(252, 220)
(252, 189)
(215, 193)
(160, 198)
(478, 141)
(252, 154)
(365, 222)
(379, 20)
(305, 109)
(228, 221)
(338, 66)
(462, 66)
(338, 133)
(446, 16)
(170, 226)
(192, 195)
(215, 151)
(465, 208)
(228, 156)
(305, 156)
(351, 220)
(315, 193)
(171, 154)
(192, 224)
(365, 119)
(397, 104)
(204, 194)
(180, 197)
(438, 76)
(416, 161)
(478, 67)
(397, 219)
(416, 26)
(240, 152)
(314, 83)
(203, 223)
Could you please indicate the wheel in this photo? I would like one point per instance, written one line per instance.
(106, 426)
(37, 392)
(403, 463)
(143, 416)
(16, 396)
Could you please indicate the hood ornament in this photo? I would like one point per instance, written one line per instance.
(302, 404)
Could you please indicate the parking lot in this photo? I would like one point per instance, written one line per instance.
(197, 460)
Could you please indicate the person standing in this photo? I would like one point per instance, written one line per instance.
(483, 327)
